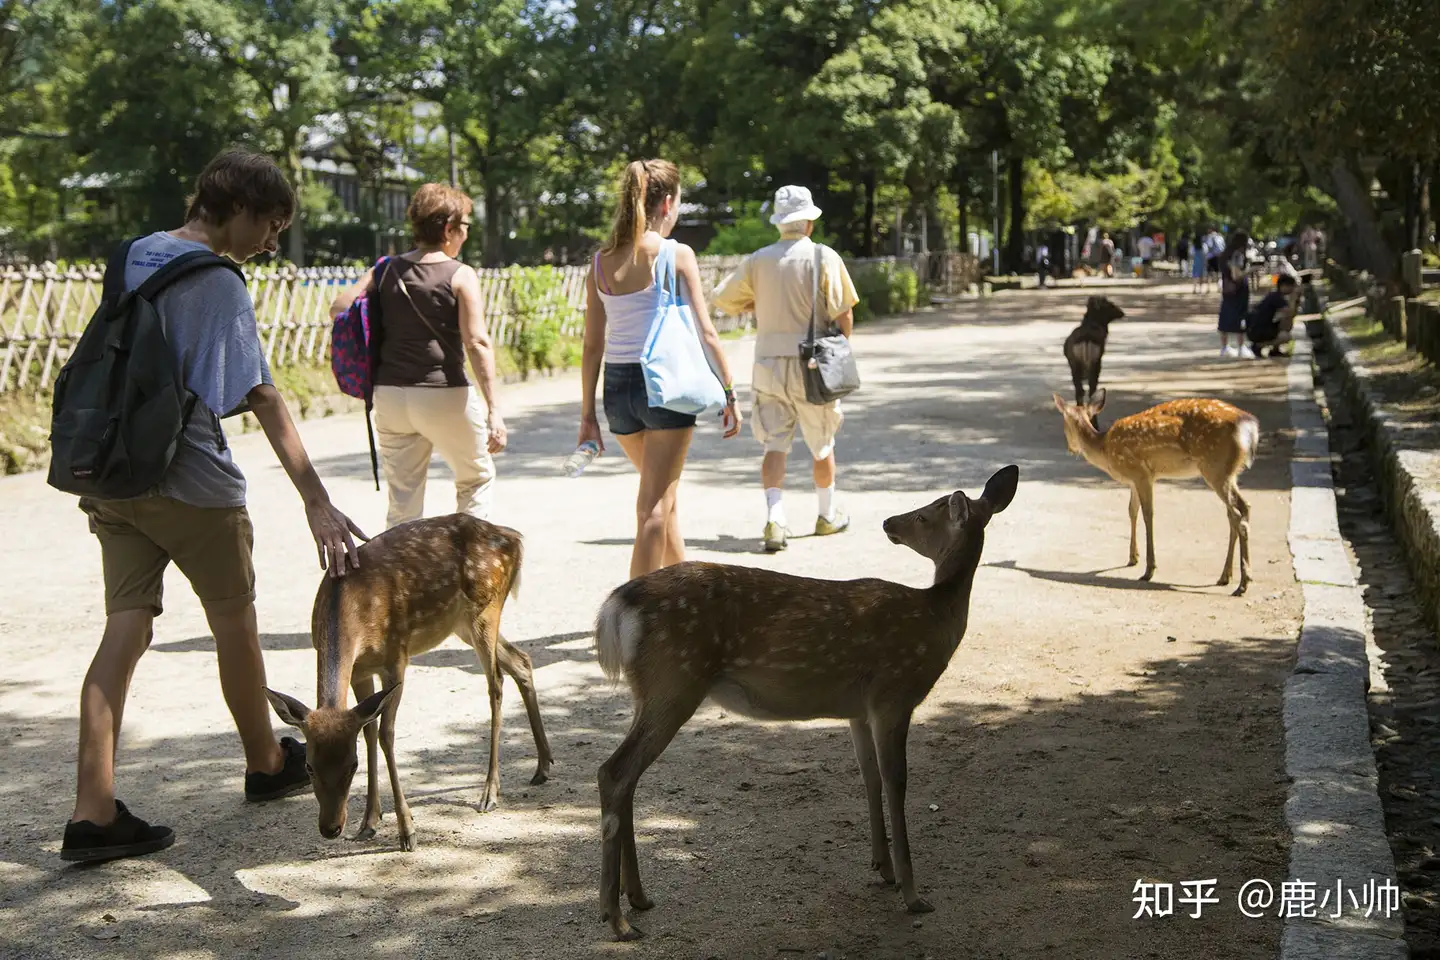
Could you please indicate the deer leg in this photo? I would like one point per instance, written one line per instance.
(1134, 512)
(364, 687)
(1240, 522)
(890, 736)
(870, 773)
(1146, 490)
(1078, 377)
(517, 664)
(656, 722)
(482, 635)
(387, 743)
(1094, 381)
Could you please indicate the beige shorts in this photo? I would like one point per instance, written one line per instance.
(780, 405)
(138, 539)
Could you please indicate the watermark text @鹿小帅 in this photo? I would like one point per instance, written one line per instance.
(1376, 897)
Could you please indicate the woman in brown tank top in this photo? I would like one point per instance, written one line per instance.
(431, 321)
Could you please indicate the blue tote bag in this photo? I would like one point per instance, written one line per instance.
(677, 374)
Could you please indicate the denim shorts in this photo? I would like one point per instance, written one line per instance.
(627, 406)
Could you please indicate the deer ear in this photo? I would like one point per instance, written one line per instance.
(367, 711)
(287, 708)
(1098, 403)
(959, 506)
(1059, 402)
(1000, 488)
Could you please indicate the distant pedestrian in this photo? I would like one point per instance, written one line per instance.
(1234, 295)
(623, 303)
(779, 284)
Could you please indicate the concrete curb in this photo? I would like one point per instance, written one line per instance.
(1337, 826)
(1411, 502)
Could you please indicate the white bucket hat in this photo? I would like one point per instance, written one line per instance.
(792, 204)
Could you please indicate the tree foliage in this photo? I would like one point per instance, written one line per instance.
(1124, 113)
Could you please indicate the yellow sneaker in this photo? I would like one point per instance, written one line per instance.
(774, 537)
(823, 527)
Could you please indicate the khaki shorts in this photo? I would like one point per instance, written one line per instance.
(139, 538)
(780, 405)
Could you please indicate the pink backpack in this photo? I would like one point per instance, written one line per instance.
(352, 353)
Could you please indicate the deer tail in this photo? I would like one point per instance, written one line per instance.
(617, 635)
(513, 590)
(1247, 432)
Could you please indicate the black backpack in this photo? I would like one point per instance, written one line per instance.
(120, 401)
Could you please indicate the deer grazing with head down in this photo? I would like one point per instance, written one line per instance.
(780, 647)
(417, 584)
(1182, 438)
(1085, 347)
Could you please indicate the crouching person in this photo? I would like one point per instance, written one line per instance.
(1271, 322)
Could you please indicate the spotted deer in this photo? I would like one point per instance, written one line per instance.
(780, 647)
(1182, 438)
(417, 584)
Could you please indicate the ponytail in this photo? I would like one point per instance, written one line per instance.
(644, 187)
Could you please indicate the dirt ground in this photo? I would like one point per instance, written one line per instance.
(1091, 730)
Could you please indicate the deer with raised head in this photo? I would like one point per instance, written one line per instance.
(417, 584)
(779, 647)
(1085, 347)
(1182, 438)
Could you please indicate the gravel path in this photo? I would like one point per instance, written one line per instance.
(1091, 731)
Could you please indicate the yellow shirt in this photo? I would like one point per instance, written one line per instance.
(775, 282)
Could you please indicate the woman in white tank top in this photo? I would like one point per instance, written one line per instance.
(622, 295)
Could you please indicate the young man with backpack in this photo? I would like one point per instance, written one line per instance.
(174, 348)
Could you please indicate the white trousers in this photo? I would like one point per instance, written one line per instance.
(411, 423)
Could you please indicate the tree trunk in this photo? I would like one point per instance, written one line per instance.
(867, 245)
(296, 246)
(1015, 248)
(1413, 190)
(964, 245)
(493, 255)
(1353, 197)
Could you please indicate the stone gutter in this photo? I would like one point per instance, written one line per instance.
(1337, 825)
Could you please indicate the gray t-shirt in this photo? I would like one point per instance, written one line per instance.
(210, 324)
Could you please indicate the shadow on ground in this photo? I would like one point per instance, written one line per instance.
(245, 878)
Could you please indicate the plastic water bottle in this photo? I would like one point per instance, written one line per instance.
(583, 456)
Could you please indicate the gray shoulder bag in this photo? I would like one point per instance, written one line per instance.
(826, 362)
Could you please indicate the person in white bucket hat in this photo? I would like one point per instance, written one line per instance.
(776, 283)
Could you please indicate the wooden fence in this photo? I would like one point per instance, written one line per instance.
(43, 309)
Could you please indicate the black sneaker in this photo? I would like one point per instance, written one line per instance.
(292, 778)
(126, 836)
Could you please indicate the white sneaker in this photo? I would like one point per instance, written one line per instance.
(1228, 353)
(1246, 353)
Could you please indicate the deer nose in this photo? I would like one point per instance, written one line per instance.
(330, 833)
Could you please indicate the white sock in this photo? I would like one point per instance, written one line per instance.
(775, 510)
(827, 501)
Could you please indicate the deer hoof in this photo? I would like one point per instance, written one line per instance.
(1147, 575)
(640, 901)
(540, 777)
(488, 804)
(364, 833)
(887, 872)
(1240, 590)
(627, 933)
(919, 905)
(407, 844)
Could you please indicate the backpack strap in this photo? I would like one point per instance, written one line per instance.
(184, 264)
(113, 286)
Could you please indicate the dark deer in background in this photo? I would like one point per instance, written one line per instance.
(780, 647)
(1085, 347)
(418, 583)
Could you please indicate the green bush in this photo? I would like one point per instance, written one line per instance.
(885, 289)
(538, 303)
